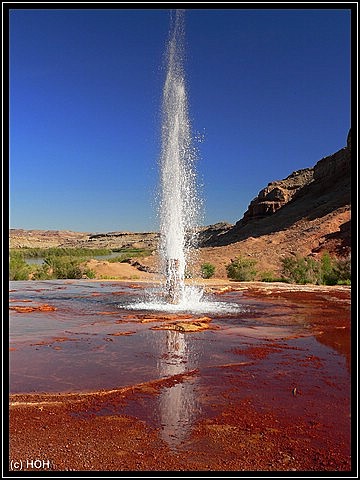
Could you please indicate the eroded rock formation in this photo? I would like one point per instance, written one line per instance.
(277, 194)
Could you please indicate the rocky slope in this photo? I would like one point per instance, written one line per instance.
(308, 194)
(306, 213)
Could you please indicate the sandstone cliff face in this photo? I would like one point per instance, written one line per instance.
(276, 195)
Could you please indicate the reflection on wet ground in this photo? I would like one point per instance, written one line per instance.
(286, 350)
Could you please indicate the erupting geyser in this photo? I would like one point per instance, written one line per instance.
(179, 202)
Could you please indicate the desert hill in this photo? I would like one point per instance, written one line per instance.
(20, 238)
(308, 194)
(306, 213)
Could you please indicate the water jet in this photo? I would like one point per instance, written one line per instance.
(179, 203)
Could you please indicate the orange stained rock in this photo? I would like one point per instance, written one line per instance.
(108, 313)
(118, 334)
(39, 308)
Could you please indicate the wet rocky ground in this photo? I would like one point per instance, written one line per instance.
(96, 385)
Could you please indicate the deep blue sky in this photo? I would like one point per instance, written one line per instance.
(269, 92)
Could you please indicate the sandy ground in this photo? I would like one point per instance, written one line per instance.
(119, 271)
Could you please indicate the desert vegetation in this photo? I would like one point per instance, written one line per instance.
(207, 270)
(298, 269)
(53, 267)
(242, 269)
(18, 268)
(26, 252)
(62, 263)
(325, 271)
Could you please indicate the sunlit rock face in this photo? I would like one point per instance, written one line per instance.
(277, 194)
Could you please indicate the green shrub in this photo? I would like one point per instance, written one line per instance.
(241, 269)
(326, 271)
(269, 277)
(28, 252)
(300, 270)
(42, 272)
(207, 270)
(343, 271)
(89, 273)
(64, 267)
(18, 268)
(67, 267)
